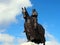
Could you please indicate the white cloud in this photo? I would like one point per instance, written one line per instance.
(2, 30)
(9, 9)
(29, 43)
(52, 43)
(47, 43)
(52, 40)
(6, 39)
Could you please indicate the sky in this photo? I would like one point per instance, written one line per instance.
(12, 22)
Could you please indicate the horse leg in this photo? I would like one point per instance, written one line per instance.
(44, 43)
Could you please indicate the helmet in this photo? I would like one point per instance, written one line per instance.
(34, 13)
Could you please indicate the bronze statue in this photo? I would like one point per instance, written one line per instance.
(34, 31)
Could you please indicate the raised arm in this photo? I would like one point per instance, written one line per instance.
(24, 12)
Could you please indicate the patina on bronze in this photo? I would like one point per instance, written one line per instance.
(34, 31)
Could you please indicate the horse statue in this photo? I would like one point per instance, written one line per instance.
(34, 31)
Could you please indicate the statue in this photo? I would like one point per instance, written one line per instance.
(34, 31)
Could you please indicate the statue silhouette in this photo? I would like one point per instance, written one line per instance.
(34, 31)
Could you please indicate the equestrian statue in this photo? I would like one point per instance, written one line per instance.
(33, 30)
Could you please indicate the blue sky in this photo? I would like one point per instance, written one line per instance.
(48, 16)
